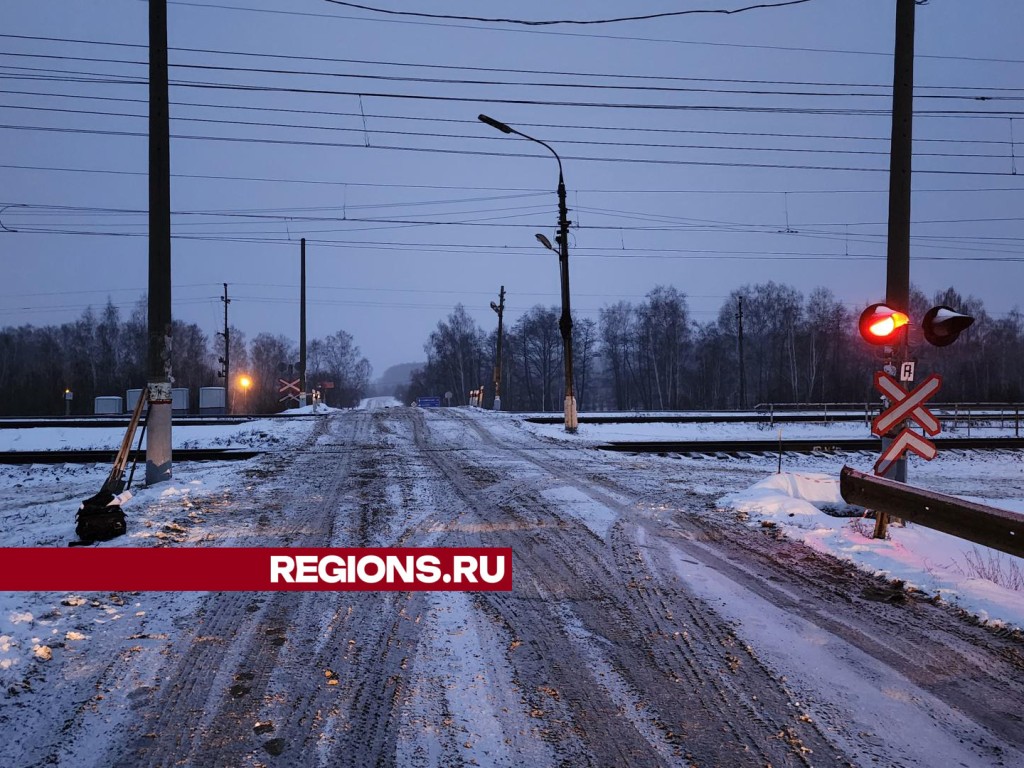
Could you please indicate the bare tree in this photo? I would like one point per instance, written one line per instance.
(336, 359)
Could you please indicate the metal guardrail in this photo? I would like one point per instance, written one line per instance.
(991, 527)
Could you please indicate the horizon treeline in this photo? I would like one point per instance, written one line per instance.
(102, 354)
(652, 355)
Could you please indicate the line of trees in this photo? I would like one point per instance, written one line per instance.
(102, 353)
(653, 355)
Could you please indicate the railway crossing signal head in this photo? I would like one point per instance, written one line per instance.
(942, 325)
(881, 324)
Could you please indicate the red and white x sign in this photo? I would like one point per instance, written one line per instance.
(906, 404)
(289, 388)
(907, 440)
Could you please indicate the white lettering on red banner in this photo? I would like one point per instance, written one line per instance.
(216, 569)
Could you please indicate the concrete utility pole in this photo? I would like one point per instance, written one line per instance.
(302, 322)
(565, 321)
(158, 421)
(227, 353)
(897, 275)
(500, 309)
(739, 342)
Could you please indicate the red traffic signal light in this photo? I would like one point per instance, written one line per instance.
(880, 324)
(942, 325)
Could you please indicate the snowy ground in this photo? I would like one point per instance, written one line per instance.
(211, 504)
(804, 500)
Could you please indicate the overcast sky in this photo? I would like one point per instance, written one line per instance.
(690, 156)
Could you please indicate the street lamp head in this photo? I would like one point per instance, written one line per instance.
(495, 307)
(245, 382)
(494, 123)
(543, 240)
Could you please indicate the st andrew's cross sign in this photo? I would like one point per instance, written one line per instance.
(906, 405)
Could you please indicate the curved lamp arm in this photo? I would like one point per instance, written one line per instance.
(504, 128)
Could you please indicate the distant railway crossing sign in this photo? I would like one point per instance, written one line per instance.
(288, 389)
(906, 404)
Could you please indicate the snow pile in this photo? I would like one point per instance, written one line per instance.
(372, 403)
(313, 409)
(789, 494)
(805, 505)
(259, 433)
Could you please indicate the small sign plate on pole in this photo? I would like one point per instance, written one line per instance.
(907, 371)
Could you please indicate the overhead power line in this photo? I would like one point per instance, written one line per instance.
(489, 138)
(625, 38)
(1014, 256)
(68, 76)
(467, 68)
(555, 22)
(482, 153)
(620, 191)
(456, 121)
(883, 91)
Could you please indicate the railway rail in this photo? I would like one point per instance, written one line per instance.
(107, 456)
(692, 446)
(802, 445)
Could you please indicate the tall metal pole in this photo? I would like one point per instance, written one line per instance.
(302, 323)
(158, 421)
(565, 322)
(500, 309)
(897, 274)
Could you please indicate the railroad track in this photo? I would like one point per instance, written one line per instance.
(107, 456)
(654, 446)
(827, 445)
(942, 414)
(119, 421)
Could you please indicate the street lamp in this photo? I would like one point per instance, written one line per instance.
(565, 322)
(245, 382)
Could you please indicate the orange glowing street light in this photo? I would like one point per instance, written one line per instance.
(245, 382)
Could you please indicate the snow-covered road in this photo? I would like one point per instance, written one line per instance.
(647, 626)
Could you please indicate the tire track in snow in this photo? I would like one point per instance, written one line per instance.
(581, 586)
(975, 671)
